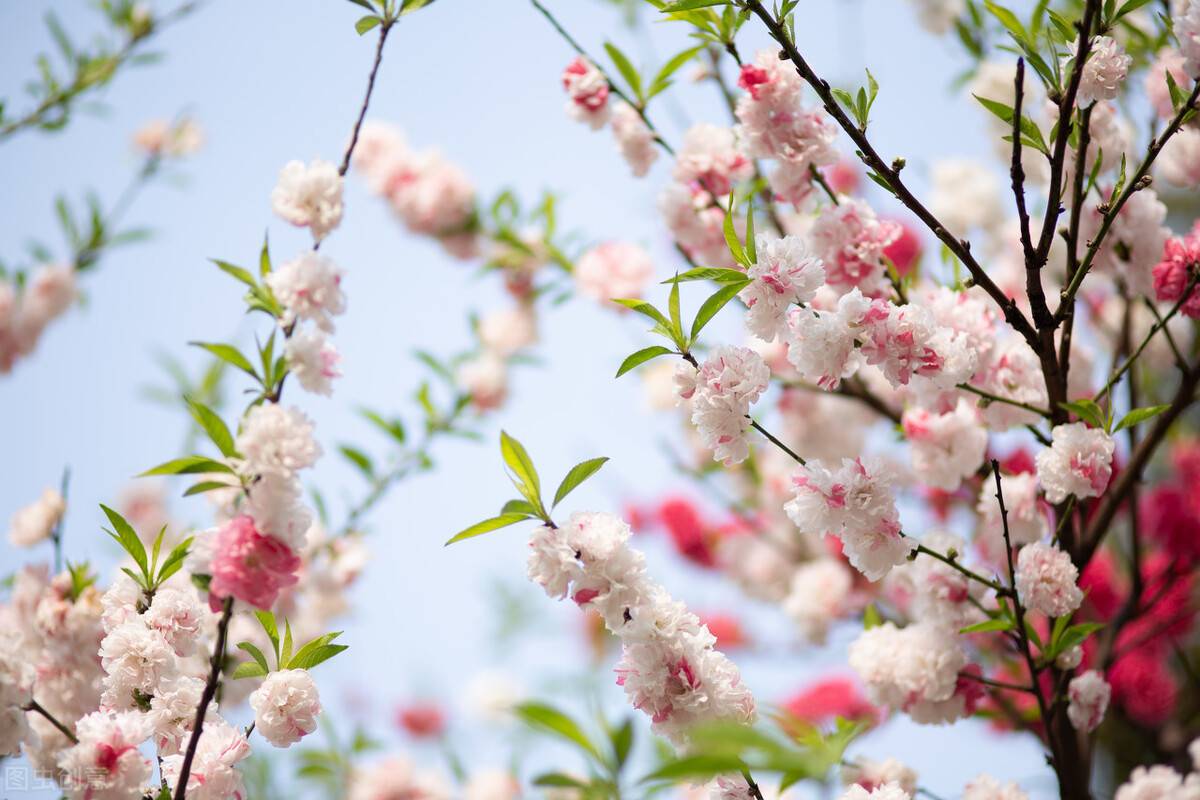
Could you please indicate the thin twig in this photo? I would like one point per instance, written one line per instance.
(38, 708)
(775, 441)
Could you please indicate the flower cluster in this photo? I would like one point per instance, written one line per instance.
(720, 392)
(669, 667)
(26, 311)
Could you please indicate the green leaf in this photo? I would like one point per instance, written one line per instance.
(663, 79)
(521, 470)
(577, 475)
(713, 304)
(1139, 415)
(256, 654)
(285, 653)
(691, 5)
(127, 537)
(366, 23)
(229, 354)
(519, 507)
(314, 652)
(248, 669)
(1130, 6)
(673, 310)
(871, 617)
(549, 719)
(622, 742)
(695, 768)
(751, 249)
(731, 237)
(1088, 411)
(188, 465)
(1031, 133)
(242, 275)
(393, 428)
(718, 274)
(174, 561)
(204, 486)
(641, 357)
(214, 426)
(646, 310)
(487, 526)
(1008, 19)
(626, 68)
(998, 624)
(560, 780)
(267, 620)
(359, 459)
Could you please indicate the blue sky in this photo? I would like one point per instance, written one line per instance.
(478, 78)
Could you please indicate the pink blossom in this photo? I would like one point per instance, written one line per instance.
(249, 566)
(851, 241)
(587, 90)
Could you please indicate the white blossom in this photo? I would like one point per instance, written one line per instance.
(783, 274)
(1089, 694)
(1103, 73)
(313, 359)
(286, 706)
(819, 595)
(277, 441)
(106, 763)
(1078, 462)
(309, 196)
(36, 522)
(1047, 580)
(309, 287)
(946, 448)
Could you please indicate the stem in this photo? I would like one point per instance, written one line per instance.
(775, 441)
(891, 175)
(384, 28)
(755, 792)
(995, 398)
(210, 689)
(612, 86)
(996, 587)
(38, 708)
(1014, 687)
(1134, 184)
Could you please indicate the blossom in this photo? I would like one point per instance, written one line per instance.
(313, 359)
(1078, 462)
(819, 595)
(696, 221)
(106, 764)
(509, 331)
(965, 195)
(783, 274)
(727, 383)
(937, 16)
(850, 239)
(436, 198)
(946, 448)
(309, 196)
(485, 379)
(274, 503)
(853, 502)
(887, 791)
(710, 159)
(1047, 581)
(396, 778)
(871, 775)
(1089, 694)
(213, 775)
(1013, 372)
(309, 287)
(286, 706)
(613, 270)
(250, 566)
(905, 342)
(37, 521)
(634, 138)
(773, 123)
(985, 787)
(422, 720)
(177, 139)
(1158, 91)
(587, 92)
(276, 441)
(492, 784)
(135, 658)
(903, 667)
(1187, 31)
(828, 698)
(49, 292)
(177, 616)
(822, 345)
(940, 594)
(1103, 73)
(1158, 782)
(173, 711)
(1179, 160)
(1179, 264)
(1135, 240)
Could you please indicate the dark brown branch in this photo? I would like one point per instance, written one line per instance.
(210, 690)
(38, 708)
(384, 28)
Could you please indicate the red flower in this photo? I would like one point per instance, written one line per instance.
(422, 720)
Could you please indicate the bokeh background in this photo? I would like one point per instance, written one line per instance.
(272, 81)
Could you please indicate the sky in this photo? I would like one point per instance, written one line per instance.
(273, 81)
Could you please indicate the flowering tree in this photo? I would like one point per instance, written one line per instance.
(1026, 553)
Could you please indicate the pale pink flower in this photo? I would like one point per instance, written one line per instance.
(509, 331)
(887, 791)
(1103, 73)
(783, 274)
(587, 92)
(286, 706)
(614, 270)
(697, 223)
(275, 503)
(177, 139)
(773, 122)
(819, 596)
(1167, 62)
(36, 522)
(985, 787)
(485, 379)
(435, 197)
(276, 441)
(871, 775)
(313, 359)
(396, 778)
(634, 138)
(1078, 462)
(1179, 160)
(1158, 782)
(1180, 261)
(727, 384)
(214, 774)
(823, 345)
(946, 448)
(903, 667)
(850, 239)
(711, 160)
(1089, 694)
(309, 287)
(1047, 581)
(249, 566)
(309, 196)
(1187, 31)
(106, 763)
